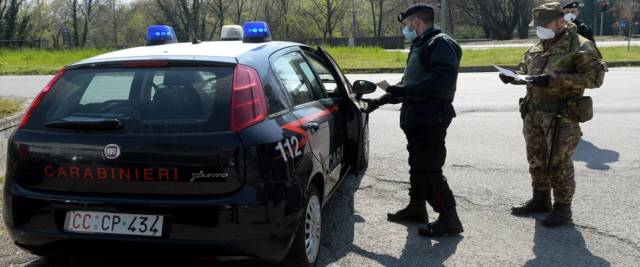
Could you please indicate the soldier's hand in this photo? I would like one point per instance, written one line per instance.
(542, 80)
(506, 79)
(372, 105)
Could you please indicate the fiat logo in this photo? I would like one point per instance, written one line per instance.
(112, 151)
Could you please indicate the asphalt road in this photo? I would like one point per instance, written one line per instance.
(491, 45)
(487, 171)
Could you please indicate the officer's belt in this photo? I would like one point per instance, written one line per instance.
(548, 105)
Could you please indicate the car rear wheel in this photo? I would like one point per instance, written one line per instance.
(306, 246)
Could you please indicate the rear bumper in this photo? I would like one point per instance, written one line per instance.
(253, 223)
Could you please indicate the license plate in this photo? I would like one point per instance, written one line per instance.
(113, 223)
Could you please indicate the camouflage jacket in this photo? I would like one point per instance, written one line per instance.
(572, 61)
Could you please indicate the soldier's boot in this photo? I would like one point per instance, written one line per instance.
(560, 215)
(416, 211)
(448, 224)
(541, 202)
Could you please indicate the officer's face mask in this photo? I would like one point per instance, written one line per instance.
(544, 33)
(570, 17)
(409, 33)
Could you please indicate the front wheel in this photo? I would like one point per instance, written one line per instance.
(306, 246)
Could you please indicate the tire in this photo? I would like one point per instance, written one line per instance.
(310, 230)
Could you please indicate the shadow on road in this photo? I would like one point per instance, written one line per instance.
(339, 226)
(562, 246)
(595, 157)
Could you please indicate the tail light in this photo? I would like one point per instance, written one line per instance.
(36, 102)
(248, 105)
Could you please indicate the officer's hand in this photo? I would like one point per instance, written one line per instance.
(372, 105)
(506, 79)
(396, 90)
(542, 80)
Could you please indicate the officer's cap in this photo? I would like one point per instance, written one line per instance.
(412, 10)
(571, 4)
(547, 13)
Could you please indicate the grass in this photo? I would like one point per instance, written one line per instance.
(41, 61)
(37, 61)
(9, 107)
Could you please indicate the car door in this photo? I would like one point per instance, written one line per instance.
(314, 113)
(356, 122)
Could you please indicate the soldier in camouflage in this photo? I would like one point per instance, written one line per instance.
(560, 66)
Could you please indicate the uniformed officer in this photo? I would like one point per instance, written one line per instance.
(571, 12)
(426, 91)
(561, 65)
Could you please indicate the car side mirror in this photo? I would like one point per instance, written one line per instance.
(361, 87)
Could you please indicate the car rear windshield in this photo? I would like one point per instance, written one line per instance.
(145, 100)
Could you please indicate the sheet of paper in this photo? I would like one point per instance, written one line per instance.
(511, 73)
(383, 85)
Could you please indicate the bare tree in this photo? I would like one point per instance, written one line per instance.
(219, 9)
(239, 9)
(285, 7)
(187, 17)
(326, 14)
(498, 18)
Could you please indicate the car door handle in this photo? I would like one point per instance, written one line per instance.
(311, 126)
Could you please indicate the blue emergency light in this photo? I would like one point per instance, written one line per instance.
(161, 34)
(256, 32)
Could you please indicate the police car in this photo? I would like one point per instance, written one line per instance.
(224, 150)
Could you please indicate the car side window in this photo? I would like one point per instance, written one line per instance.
(290, 70)
(327, 79)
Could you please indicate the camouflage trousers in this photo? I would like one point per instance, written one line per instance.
(538, 134)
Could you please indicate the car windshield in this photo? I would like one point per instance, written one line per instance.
(166, 100)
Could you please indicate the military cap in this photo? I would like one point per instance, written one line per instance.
(547, 13)
(412, 10)
(571, 4)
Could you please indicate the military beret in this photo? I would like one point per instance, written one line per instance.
(547, 13)
(412, 10)
(571, 4)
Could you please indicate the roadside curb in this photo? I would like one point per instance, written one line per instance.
(7, 126)
(477, 69)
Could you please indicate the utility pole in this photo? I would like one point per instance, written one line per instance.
(444, 15)
(352, 39)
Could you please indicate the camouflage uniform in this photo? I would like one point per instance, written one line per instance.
(574, 64)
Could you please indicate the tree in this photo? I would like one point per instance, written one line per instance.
(525, 17)
(326, 14)
(498, 18)
(74, 8)
(285, 7)
(239, 9)
(87, 8)
(10, 17)
(187, 17)
(219, 9)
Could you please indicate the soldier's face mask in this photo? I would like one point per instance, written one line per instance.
(544, 33)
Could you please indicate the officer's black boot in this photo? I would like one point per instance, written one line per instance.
(560, 215)
(416, 211)
(541, 202)
(448, 224)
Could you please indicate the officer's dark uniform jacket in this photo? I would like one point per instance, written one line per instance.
(584, 30)
(429, 80)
